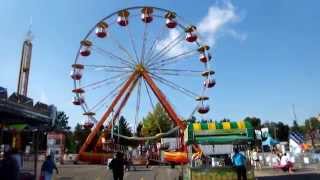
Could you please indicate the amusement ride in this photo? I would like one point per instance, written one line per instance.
(130, 50)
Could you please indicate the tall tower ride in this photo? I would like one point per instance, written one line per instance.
(25, 65)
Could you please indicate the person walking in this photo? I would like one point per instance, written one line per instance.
(47, 168)
(9, 168)
(255, 159)
(239, 161)
(117, 165)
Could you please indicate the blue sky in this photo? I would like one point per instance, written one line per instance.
(266, 53)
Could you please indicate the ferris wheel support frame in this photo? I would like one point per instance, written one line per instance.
(117, 113)
(140, 72)
(107, 113)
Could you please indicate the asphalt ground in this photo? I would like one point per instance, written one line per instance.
(100, 172)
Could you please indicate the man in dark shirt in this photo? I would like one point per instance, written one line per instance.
(47, 168)
(9, 168)
(117, 166)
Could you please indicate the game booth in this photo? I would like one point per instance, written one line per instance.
(218, 166)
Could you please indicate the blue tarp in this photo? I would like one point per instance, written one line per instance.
(270, 141)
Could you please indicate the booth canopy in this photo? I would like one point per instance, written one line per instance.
(219, 132)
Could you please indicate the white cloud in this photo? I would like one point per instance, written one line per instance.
(178, 49)
(215, 22)
(213, 25)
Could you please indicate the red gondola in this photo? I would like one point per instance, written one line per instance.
(88, 125)
(85, 48)
(209, 83)
(204, 56)
(123, 19)
(101, 29)
(146, 14)
(76, 73)
(203, 109)
(170, 20)
(191, 35)
(78, 101)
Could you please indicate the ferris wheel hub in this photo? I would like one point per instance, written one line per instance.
(140, 68)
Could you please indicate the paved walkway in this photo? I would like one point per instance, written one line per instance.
(99, 172)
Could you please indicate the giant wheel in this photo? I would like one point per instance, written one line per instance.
(139, 49)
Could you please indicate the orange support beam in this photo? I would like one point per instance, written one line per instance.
(164, 102)
(123, 103)
(94, 132)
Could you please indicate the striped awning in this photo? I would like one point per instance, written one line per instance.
(220, 132)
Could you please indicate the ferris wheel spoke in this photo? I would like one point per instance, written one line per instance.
(104, 98)
(166, 52)
(149, 95)
(157, 39)
(170, 45)
(132, 43)
(144, 40)
(107, 67)
(176, 72)
(174, 86)
(108, 80)
(122, 48)
(173, 59)
(138, 104)
(113, 56)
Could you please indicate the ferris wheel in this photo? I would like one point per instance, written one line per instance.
(140, 53)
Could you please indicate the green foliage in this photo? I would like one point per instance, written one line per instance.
(297, 128)
(139, 129)
(61, 123)
(312, 123)
(70, 143)
(192, 119)
(124, 129)
(278, 130)
(156, 122)
(255, 122)
(225, 120)
(80, 134)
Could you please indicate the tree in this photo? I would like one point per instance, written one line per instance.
(139, 129)
(278, 130)
(297, 128)
(282, 131)
(312, 123)
(61, 122)
(70, 142)
(156, 122)
(255, 122)
(80, 135)
(225, 120)
(193, 119)
(312, 126)
(124, 129)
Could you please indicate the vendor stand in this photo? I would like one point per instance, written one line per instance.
(236, 134)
